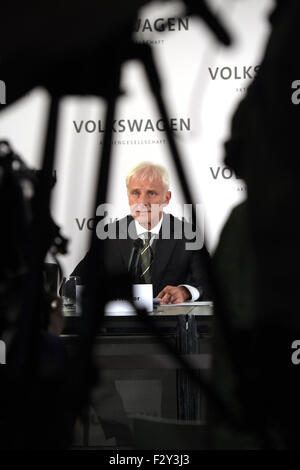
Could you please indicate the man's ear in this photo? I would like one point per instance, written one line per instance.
(168, 197)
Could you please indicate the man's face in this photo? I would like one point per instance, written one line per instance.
(146, 200)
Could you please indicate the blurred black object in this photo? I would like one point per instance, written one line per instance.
(18, 185)
(35, 359)
(201, 9)
(83, 41)
(51, 273)
(257, 261)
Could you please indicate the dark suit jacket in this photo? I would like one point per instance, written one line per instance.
(172, 263)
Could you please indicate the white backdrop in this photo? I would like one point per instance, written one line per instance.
(202, 84)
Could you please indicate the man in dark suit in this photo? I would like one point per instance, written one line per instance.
(169, 254)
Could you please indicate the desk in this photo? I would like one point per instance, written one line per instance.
(126, 349)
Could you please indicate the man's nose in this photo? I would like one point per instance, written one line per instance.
(144, 199)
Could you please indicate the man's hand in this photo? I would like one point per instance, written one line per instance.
(174, 295)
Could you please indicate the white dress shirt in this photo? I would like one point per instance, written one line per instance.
(140, 230)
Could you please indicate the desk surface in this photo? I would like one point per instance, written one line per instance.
(184, 310)
(165, 318)
(204, 309)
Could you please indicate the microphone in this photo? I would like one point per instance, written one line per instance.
(134, 258)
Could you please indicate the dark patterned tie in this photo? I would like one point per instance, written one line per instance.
(146, 258)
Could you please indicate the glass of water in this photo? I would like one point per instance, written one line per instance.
(68, 294)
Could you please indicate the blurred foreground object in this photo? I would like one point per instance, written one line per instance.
(258, 257)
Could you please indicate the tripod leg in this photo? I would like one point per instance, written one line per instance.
(95, 304)
(145, 55)
(30, 320)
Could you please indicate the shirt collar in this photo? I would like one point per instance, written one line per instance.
(154, 231)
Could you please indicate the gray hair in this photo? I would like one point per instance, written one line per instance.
(149, 170)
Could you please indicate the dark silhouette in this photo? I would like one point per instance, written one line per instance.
(256, 263)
